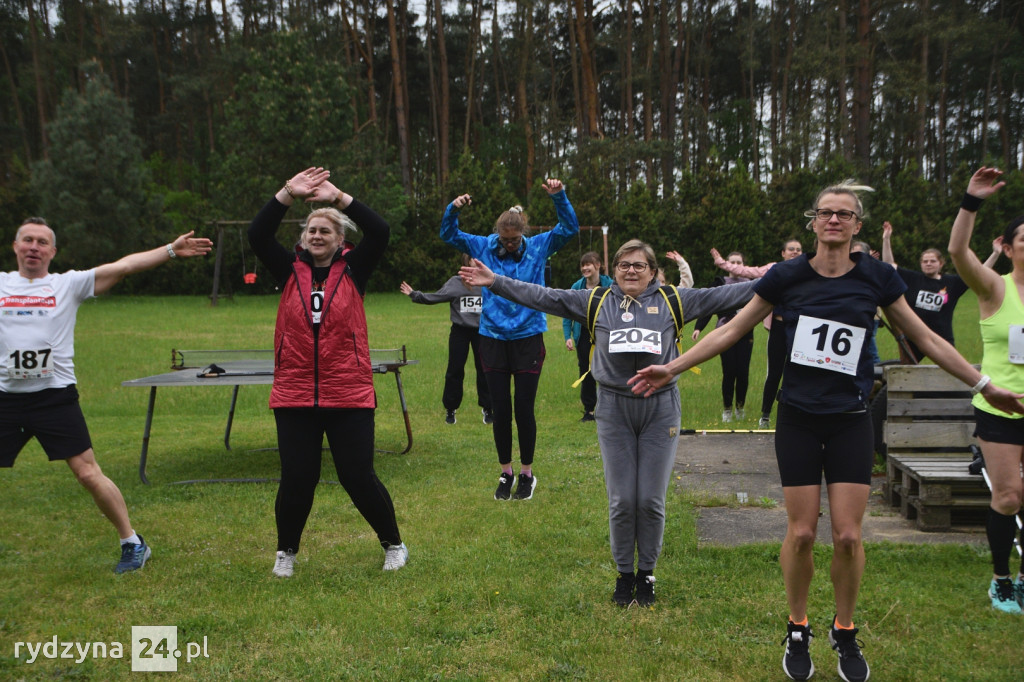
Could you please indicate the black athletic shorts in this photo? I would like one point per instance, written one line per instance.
(806, 444)
(521, 356)
(52, 415)
(996, 429)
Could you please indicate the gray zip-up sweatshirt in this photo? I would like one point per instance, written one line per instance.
(465, 302)
(619, 314)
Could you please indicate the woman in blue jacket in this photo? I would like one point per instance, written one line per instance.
(577, 336)
(511, 335)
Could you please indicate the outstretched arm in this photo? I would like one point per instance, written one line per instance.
(737, 270)
(947, 357)
(185, 246)
(652, 377)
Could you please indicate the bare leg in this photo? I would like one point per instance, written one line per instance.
(847, 502)
(106, 495)
(796, 557)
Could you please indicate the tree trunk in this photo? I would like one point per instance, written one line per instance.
(588, 72)
(522, 92)
(474, 36)
(37, 73)
(401, 117)
(862, 95)
(922, 90)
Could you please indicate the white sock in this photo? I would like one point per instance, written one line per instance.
(133, 539)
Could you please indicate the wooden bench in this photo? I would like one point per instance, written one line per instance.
(928, 429)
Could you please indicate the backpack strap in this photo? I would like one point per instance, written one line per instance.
(594, 302)
(675, 306)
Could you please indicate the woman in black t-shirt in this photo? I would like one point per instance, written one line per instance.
(828, 300)
(931, 294)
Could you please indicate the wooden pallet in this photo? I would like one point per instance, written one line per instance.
(929, 427)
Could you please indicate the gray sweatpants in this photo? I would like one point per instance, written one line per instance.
(638, 439)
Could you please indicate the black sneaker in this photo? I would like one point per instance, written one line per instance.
(587, 417)
(852, 666)
(488, 416)
(524, 490)
(504, 490)
(624, 584)
(133, 557)
(449, 418)
(644, 589)
(796, 662)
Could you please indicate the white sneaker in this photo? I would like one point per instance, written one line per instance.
(763, 423)
(284, 566)
(395, 557)
(739, 413)
(726, 416)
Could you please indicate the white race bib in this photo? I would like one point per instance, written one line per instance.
(471, 304)
(29, 364)
(1016, 344)
(931, 300)
(634, 340)
(827, 344)
(316, 305)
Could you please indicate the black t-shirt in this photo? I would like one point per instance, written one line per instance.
(828, 322)
(933, 299)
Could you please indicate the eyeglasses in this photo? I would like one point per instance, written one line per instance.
(843, 215)
(623, 266)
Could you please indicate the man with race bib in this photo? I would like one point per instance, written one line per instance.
(38, 394)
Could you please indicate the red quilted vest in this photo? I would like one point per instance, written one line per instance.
(332, 369)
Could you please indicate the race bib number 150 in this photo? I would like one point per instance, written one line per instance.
(827, 344)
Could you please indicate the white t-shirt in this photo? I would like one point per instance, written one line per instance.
(37, 329)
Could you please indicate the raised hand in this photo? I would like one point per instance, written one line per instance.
(553, 186)
(304, 185)
(462, 200)
(983, 183)
(405, 288)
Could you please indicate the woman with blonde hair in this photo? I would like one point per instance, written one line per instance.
(323, 382)
(828, 300)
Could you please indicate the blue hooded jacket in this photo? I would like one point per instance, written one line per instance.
(502, 319)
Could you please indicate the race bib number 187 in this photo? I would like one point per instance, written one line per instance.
(29, 364)
(827, 344)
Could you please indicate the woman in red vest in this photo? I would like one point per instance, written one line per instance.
(323, 382)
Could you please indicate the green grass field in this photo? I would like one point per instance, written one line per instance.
(492, 590)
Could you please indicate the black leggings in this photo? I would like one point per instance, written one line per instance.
(500, 386)
(776, 363)
(300, 437)
(460, 341)
(736, 370)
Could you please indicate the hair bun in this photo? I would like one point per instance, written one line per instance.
(516, 209)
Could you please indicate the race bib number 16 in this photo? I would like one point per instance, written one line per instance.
(827, 344)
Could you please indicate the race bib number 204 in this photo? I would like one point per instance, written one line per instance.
(827, 344)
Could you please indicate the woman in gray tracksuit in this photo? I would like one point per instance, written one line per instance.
(634, 327)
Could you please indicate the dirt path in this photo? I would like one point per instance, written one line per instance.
(720, 465)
